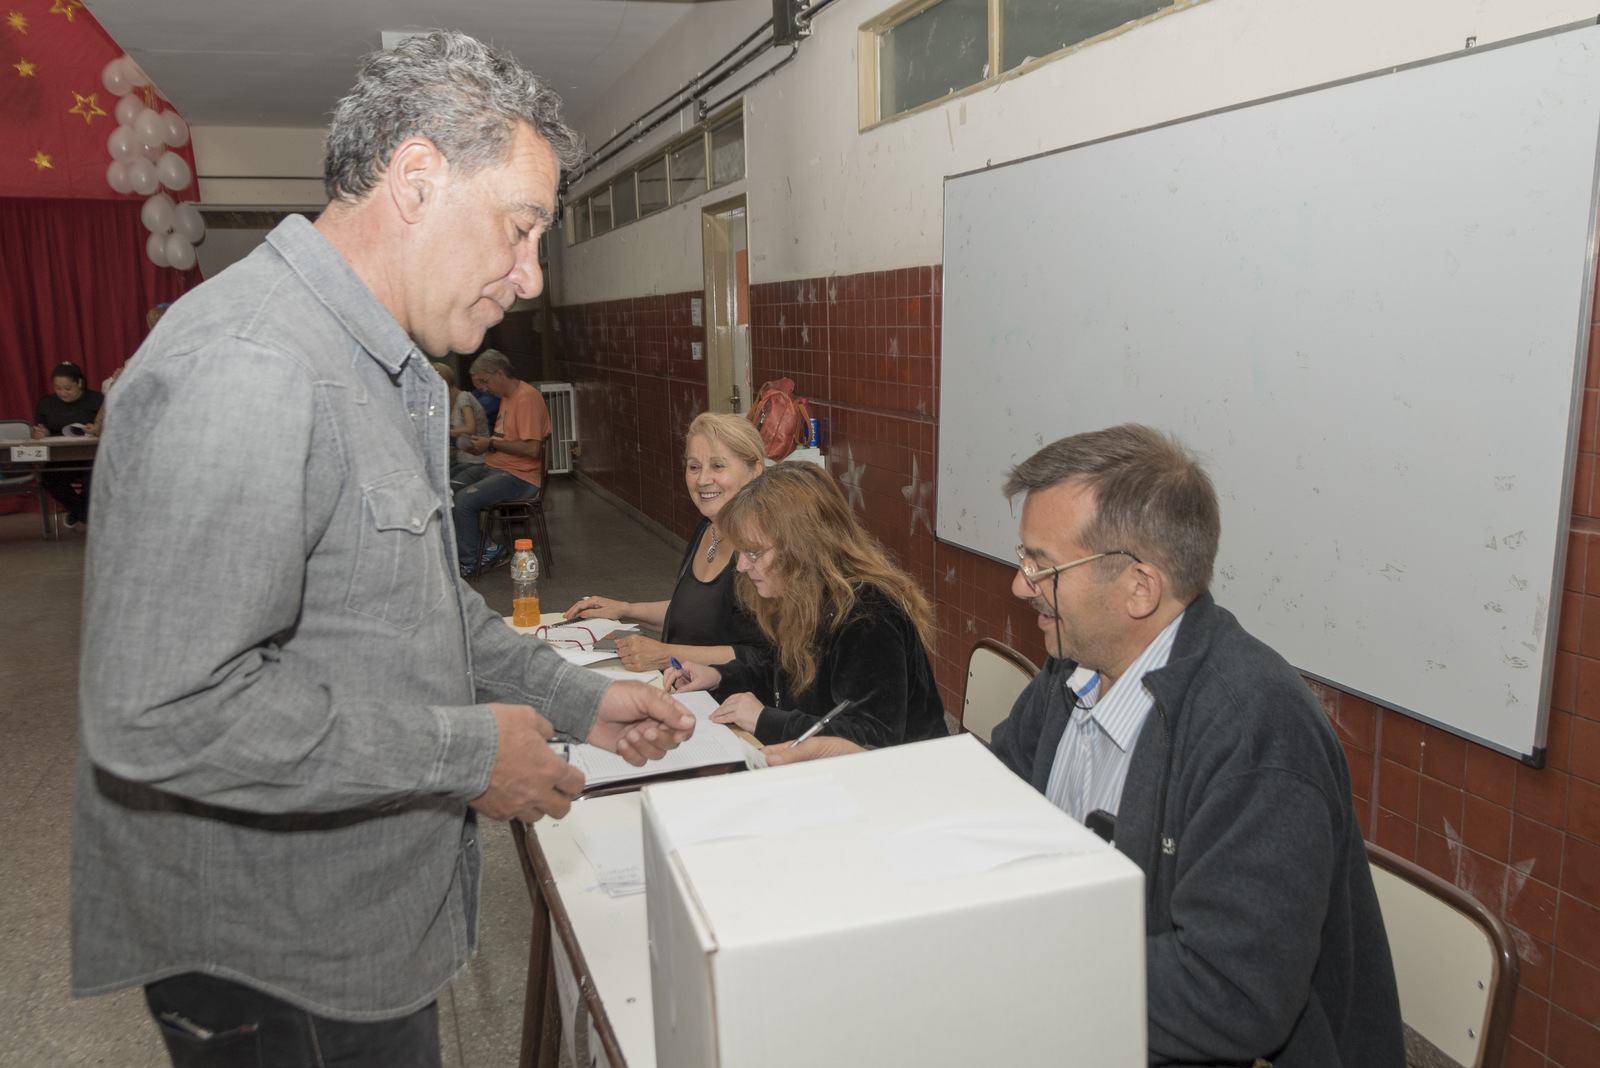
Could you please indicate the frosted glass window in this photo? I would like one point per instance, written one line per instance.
(600, 212)
(688, 168)
(653, 187)
(940, 50)
(624, 205)
(1033, 28)
(727, 152)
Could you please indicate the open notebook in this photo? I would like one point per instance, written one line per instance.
(711, 744)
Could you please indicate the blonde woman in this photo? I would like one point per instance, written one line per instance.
(703, 621)
(466, 420)
(842, 620)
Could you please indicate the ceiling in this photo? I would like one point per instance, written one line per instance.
(286, 62)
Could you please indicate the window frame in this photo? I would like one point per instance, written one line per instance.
(582, 206)
(868, 73)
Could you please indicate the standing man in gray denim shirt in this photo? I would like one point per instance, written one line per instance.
(292, 708)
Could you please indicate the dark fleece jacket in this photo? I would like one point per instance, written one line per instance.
(875, 658)
(1263, 933)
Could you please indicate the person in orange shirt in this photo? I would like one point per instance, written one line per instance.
(513, 467)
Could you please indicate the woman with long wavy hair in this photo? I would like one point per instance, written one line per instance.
(842, 620)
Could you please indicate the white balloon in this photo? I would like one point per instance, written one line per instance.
(157, 214)
(187, 223)
(115, 78)
(155, 246)
(150, 128)
(122, 145)
(180, 254)
(136, 75)
(153, 153)
(177, 129)
(128, 109)
(173, 171)
(117, 177)
(142, 173)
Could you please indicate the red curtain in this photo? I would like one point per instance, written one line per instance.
(75, 285)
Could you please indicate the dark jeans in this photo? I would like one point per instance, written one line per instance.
(476, 489)
(209, 1022)
(71, 488)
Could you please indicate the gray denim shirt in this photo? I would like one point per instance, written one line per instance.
(282, 677)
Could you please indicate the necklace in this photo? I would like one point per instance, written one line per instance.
(711, 550)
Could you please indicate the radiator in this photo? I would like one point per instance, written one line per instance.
(563, 426)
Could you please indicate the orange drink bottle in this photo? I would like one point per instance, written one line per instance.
(524, 584)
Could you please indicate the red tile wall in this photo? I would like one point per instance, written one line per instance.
(636, 386)
(865, 350)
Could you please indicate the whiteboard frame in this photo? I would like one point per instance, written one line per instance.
(1583, 326)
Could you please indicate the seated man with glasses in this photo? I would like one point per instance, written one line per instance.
(1203, 755)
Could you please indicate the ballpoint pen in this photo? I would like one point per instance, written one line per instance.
(821, 723)
(674, 662)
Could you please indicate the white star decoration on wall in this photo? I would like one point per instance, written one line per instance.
(917, 495)
(851, 480)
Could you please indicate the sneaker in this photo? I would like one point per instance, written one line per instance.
(72, 523)
(499, 557)
(467, 571)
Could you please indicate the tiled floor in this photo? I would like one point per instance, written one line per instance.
(597, 551)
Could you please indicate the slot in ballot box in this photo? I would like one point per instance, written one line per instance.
(913, 905)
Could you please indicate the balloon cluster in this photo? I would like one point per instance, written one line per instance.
(142, 162)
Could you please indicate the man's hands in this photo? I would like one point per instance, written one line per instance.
(639, 722)
(529, 780)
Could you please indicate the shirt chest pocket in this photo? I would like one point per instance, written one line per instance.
(399, 571)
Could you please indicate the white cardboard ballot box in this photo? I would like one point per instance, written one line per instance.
(918, 905)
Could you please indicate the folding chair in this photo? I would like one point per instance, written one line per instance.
(1454, 961)
(996, 675)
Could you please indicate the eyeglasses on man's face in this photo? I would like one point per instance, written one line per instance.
(1032, 575)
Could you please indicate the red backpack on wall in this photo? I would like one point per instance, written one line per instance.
(781, 418)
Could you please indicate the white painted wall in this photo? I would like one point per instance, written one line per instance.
(259, 165)
(826, 199)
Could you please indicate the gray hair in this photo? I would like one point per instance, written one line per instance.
(1152, 498)
(491, 360)
(466, 97)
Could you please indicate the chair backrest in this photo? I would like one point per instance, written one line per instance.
(996, 675)
(15, 430)
(1454, 961)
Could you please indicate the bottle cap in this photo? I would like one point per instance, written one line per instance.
(522, 543)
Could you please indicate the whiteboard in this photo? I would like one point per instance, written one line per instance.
(1365, 305)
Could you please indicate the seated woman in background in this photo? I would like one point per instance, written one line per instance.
(466, 420)
(69, 405)
(845, 622)
(703, 621)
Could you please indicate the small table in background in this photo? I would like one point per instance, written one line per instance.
(64, 454)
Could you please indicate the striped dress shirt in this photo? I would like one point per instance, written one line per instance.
(1092, 759)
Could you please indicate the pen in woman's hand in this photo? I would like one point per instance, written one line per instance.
(676, 667)
(821, 723)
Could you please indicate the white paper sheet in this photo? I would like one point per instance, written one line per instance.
(971, 843)
(755, 806)
(711, 743)
(617, 854)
